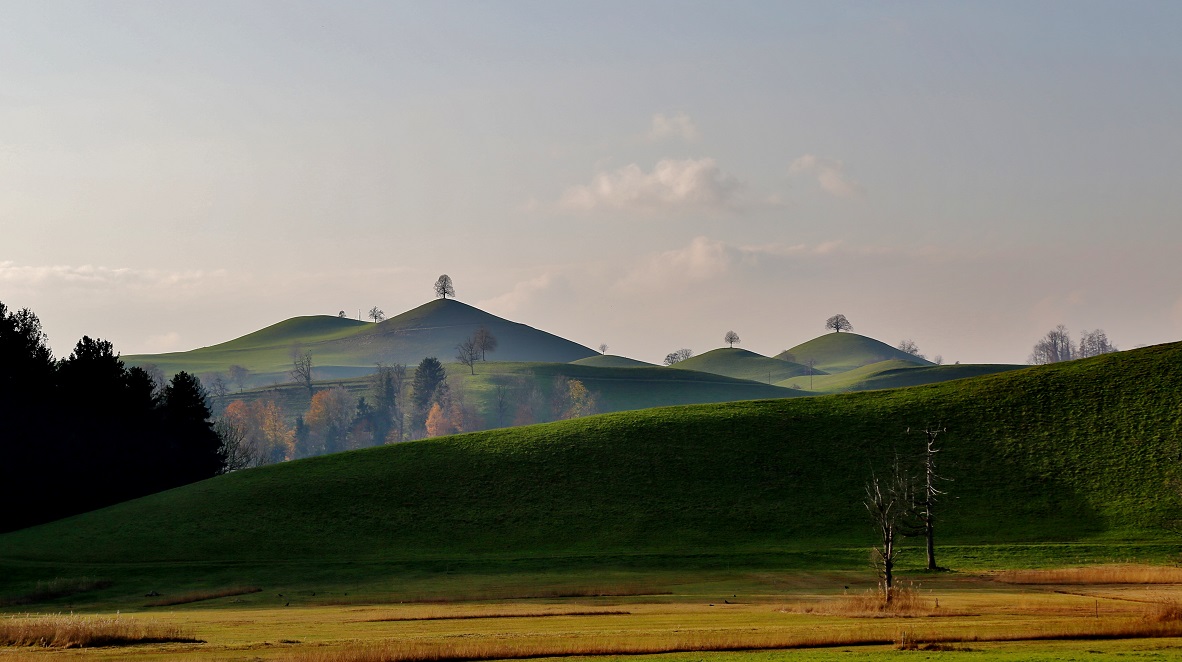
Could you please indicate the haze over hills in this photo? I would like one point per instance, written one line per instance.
(1078, 451)
(342, 347)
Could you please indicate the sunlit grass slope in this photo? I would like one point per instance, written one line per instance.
(894, 373)
(342, 347)
(612, 361)
(1082, 450)
(742, 364)
(839, 352)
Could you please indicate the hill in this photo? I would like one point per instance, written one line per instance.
(344, 348)
(839, 352)
(742, 364)
(893, 373)
(612, 361)
(1080, 451)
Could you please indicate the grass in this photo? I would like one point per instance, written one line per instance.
(1101, 574)
(343, 347)
(199, 596)
(58, 587)
(839, 352)
(742, 364)
(71, 631)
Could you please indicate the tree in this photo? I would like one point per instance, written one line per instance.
(838, 323)
(239, 452)
(328, 418)
(301, 370)
(429, 379)
(1053, 347)
(195, 448)
(239, 375)
(811, 363)
(910, 347)
(731, 338)
(468, 354)
(485, 341)
(387, 388)
(889, 503)
(341, 314)
(443, 287)
(217, 386)
(678, 356)
(603, 348)
(930, 494)
(1094, 343)
(376, 314)
(438, 423)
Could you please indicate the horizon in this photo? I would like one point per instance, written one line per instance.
(963, 176)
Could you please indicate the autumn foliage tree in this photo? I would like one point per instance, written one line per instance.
(328, 418)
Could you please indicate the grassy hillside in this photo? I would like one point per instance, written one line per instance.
(612, 361)
(839, 352)
(1085, 450)
(616, 389)
(742, 364)
(344, 348)
(894, 373)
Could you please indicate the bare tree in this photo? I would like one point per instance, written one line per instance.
(239, 452)
(838, 323)
(811, 363)
(217, 385)
(468, 354)
(603, 348)
(730, 338)
(939, 359)
(926, 502)
(239, 375)
(1094, 343)
(376, 314)
(678, 356)
(301, 368)
(910, 347)
(1053, 347)
(485, 341)
(443, 287)
(889, 503)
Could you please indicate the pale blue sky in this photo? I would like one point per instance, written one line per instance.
(647, 175)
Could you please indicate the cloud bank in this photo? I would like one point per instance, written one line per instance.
(673, 185)
(829, 174)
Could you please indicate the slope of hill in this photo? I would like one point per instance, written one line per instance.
(1086, 450)
(742, 364)
(612, 361)
(896, 373)
(343, 348)
(839, 352)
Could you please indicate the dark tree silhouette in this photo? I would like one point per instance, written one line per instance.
(730, 338)
(838, 323)
(427, 386)
(1053, 347)
(376, 314)
(485, 342)
(443, 287)
(468, 354)
(678, 356)
(301, 369)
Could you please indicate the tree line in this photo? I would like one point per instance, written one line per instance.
(86, 431)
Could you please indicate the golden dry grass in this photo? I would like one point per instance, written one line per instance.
(1099, 574)
(494, 614)
(198, 596)
(70, 631)
(906, 602)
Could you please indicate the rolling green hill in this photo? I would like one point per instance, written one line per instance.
(612, 361)
(742, 364)
(839, 352)
(1081, 451)
(893, 373)
(345, 348)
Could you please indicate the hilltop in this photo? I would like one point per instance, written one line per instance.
(343, 348)
(839, 352)
(742, 364)
(1078, 451)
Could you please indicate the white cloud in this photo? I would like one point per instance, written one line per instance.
(678, 126)
(829, 174)
(672, 185)
(518, 297)
(702, 259)
(98, 276)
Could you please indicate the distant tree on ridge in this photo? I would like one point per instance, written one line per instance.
(838, 323)
(731, 338)
(443, 287)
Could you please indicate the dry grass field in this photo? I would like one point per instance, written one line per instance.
(797, 615)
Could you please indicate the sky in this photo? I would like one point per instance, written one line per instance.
(647, 175)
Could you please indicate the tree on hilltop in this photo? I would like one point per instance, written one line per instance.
(1094, 343)
(444, 288)
(376, 314)
(910, 347)
(730, 338)
(1053, 347)
(838, 323)
(678, 356)
(603, 348)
